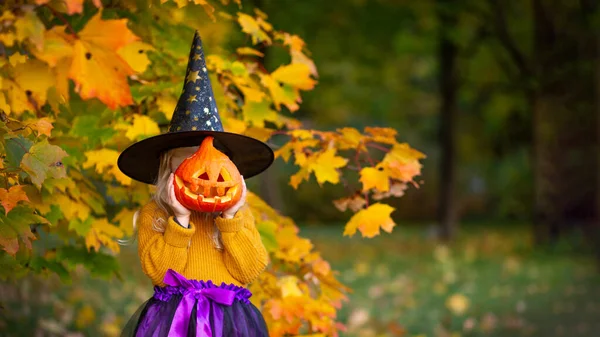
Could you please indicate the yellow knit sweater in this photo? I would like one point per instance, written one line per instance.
(192, 252)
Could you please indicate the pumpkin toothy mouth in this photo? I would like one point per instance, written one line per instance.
(207, 194)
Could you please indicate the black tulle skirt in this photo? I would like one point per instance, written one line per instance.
(197, 308)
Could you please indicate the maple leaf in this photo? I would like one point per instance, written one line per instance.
(105, 160)
(258, 113)
(257, 29)
(142, 127)
(325, 166)
(402, 162)
(29, 27)
(44, 160)
(249, 51)
(95, 65)
(297, 75)
(285, 94)
(355, 203)
(43, 126)
(382, 135)
(16, 225)
(369, 221)
(375, 177)
(11, 197)
(136, 55)
(289, 286)
(125, 220)
(350, 138)
(291, 247)
(103, 233)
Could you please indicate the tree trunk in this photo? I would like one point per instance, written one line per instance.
(564, 122)
(448, 86)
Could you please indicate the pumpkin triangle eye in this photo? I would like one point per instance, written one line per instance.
(220, 178)
(204, 176)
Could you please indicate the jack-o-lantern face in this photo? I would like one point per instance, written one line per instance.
(207, 181)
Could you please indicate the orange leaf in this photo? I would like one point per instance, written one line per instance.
(355, 203)
(11, 197)
(369, 221)
(43, 126)
(402, 162)
(382, 135)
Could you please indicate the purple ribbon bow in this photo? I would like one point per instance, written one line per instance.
(205, 299)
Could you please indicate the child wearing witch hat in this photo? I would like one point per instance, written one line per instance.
(198, 261)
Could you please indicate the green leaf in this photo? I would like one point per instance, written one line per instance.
(44, 160)
(40, 264)
(54, 215)
(16, 148)
(267, 234)
(89, 127)
(17, 225)
(81, 227)
(99, 264)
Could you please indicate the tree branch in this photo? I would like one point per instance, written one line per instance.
(500, 27)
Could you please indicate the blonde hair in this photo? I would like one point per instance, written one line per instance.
(160, 197)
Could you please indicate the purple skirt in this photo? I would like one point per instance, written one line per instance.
(190, 308)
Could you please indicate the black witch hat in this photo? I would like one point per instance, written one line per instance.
(195, 117)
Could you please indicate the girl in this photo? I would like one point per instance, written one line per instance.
(198, 262)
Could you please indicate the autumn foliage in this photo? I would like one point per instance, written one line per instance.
(79, 83)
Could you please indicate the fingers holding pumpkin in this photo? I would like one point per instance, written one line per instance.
(230, 212)
(178, 209)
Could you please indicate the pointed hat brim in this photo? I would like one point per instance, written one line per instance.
(141, 160)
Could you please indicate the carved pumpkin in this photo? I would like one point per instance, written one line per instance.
(207, 181)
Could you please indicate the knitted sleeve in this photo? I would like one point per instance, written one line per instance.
(158, 251)
(245, 255)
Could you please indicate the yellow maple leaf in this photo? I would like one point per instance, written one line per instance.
(57, 45)
(291, 247)
(70, 208)
(297, 75)
(33, 79)
(249, 51)
(125, 220)
(369, 221)
(136, 55)
(350, 138)
(105, 161)
(258, 113)
(30, 27)
(142, 126)
(254, 28)
(16, 59)
(103, 233)
(325, 166)
(375, 177)
(166, 104)
(289, 286)
(290, 97)
(262, 134)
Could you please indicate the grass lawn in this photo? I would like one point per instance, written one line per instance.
(488, 283)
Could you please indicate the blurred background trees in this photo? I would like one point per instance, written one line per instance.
(500, 95)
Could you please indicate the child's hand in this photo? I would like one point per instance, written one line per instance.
(179, 211)
(230, 212)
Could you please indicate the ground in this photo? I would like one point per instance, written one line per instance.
(488, 283)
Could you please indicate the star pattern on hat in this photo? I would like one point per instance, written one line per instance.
(196, 109)
(193, 76)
